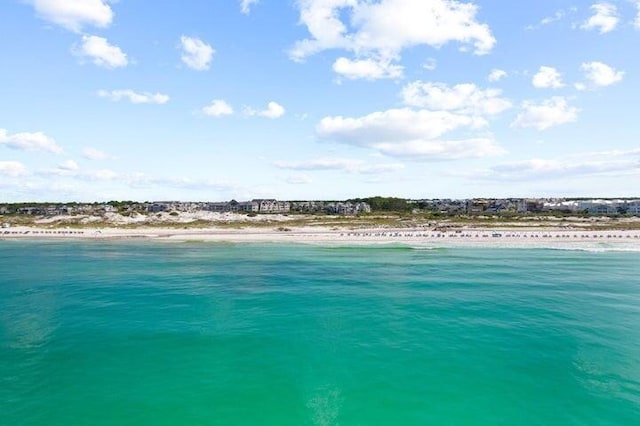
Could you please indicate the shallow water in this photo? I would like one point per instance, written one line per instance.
(185, 333)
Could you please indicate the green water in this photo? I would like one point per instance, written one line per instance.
(205, 334)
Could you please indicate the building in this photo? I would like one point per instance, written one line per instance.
(348, 208)
(158, 207)
(633, 207)
(233, 206)
(272, 206)
(527, 205)
(478, 206)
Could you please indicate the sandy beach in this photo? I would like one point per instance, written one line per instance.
(310, 229)
(498, 237)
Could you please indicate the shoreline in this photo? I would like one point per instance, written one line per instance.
(495, 237)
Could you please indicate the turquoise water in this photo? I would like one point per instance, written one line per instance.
(141, 333)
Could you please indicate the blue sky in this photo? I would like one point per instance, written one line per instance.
(318, 99)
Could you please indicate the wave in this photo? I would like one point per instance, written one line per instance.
(378, 246)
(596, 249)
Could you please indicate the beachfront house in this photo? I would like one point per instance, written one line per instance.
(272, 206)
(349, 208)
(529, 205)
(599, 207)
(159, 207)
(633, 207)
(477, 206)
(233, 206)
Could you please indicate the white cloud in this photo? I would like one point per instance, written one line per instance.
(196, 54)
(497, 75)
(68, 165)
(585, 164)
(75, 14)
(547, 78)
(636, 23)
(464, 98)
(218, 108)
(600, 74)
(348, 165)
(245, 5)
(394, 124)
(410, 133)
(557, 16)
(12, 169)
(549, 113)
(368, 69)
(430, 64)
(95, 154)
(134, 97)
(102, 53)
(24, 141)
(442, 149)
(604, 19)
(274, 110)
(383, 29)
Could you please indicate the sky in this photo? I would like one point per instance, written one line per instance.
(212, 100)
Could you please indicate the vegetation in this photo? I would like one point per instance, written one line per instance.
(385, 204)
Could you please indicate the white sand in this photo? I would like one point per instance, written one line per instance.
(554, 238)
(541, 232)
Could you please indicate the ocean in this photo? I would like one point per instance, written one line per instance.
(148, 333)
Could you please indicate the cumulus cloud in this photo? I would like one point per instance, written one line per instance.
(547, 78)
(344, 164)
(196, 54)
(95, 154)
(636, 23)
(599, 74)
(410, 133)
(217, 108)
(383, 29)
(368, 69)
(551, 112)
(134, 97)
(102, 53)
(497, 75)
(74, 15)
(245, 5)
(274, 110)
(404, 123)
(604, 19)
(12, 169)
(25, 141)
(585, 164)
(464, 98)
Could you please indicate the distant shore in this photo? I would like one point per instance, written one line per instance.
(331, 230)
(497, 237)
